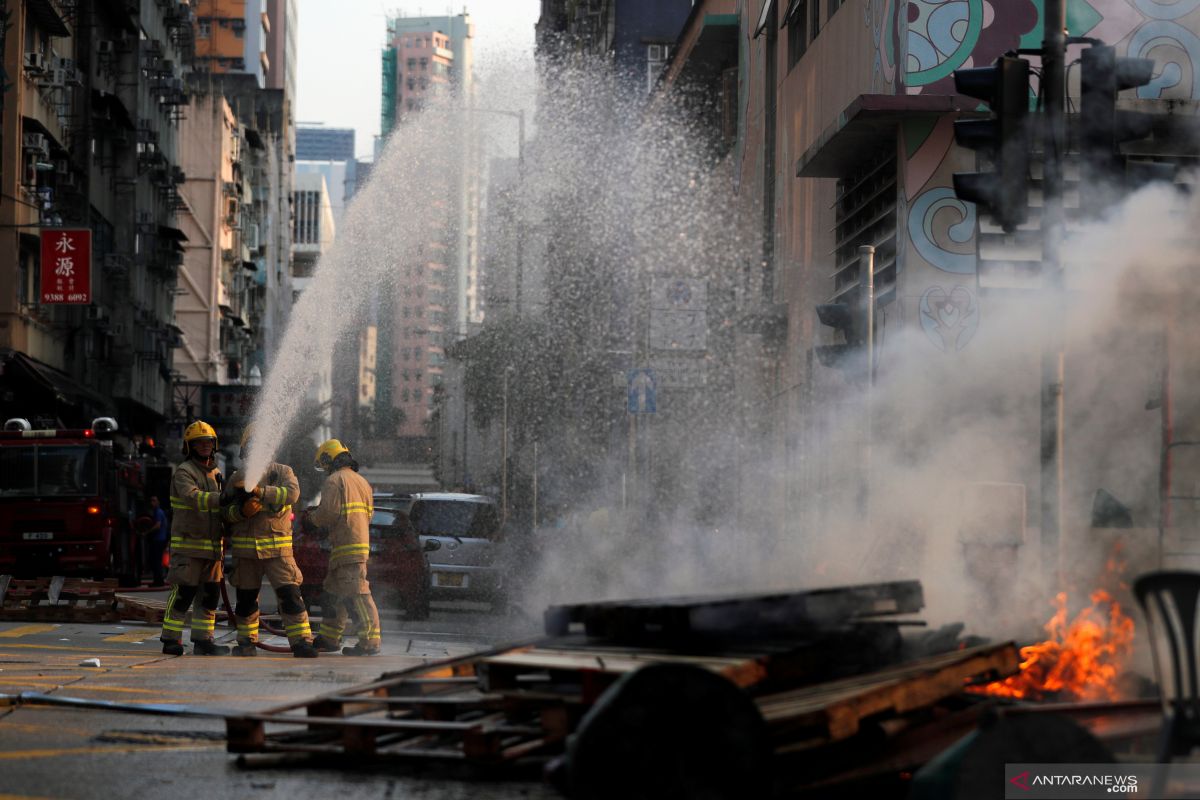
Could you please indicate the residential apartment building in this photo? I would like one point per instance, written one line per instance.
(424, 56)
(313, 233)
(235, 303)
(633, 36)
(233, 36)
(90, 141)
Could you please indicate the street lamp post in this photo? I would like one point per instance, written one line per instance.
(504, 448)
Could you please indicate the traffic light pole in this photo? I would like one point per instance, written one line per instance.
(1054, 52)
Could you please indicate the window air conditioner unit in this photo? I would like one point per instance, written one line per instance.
(35, 62)
(36, 142)
(97, 313)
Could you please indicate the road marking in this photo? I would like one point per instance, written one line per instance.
(31, 728)
(26, 630)
(23, 797)
(76, 649)
(131, 637)
(17, 755)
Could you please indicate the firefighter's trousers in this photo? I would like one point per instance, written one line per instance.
(284, 576)
(348, 595)
(195, 584)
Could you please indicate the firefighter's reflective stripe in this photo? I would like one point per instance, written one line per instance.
(204, 623)
(248, 631)
(331, 630)
(275, 496)
(200, 547)
(208, 502)
(346, 551)
(299, 630)
(172, 629)
(368, 622)
(261, 544)
(357, 508)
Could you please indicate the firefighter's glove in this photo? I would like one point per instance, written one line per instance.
(251, 507)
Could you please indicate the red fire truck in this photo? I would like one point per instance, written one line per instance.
(69, 499)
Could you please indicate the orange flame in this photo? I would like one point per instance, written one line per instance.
(1082, 659)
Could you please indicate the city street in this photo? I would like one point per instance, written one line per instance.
(79, 753)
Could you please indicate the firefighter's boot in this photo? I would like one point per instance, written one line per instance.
(323, 644)
(173, 648)
(304, 650)
(245, 649)
(207, 647)
(361, 649)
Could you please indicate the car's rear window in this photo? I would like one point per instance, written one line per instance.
(455, 518)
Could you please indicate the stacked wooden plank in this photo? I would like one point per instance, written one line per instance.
(507, 705)
(57, 599)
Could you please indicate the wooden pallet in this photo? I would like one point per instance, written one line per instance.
(679, 618)
(57, 599)
(433, 711)
(150, 610)
(833, 711)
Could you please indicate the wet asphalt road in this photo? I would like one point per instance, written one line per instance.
(52, 752)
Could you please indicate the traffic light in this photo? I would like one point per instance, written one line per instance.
(1103, 128)
(840, 317)
(1004, 86)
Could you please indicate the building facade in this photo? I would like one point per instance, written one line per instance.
(839, 121)
(426, 57)
(90, 141)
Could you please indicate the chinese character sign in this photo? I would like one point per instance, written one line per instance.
(66, 266)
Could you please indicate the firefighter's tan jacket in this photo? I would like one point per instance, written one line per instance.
(196, 505)
(268, 534)
(345, 511)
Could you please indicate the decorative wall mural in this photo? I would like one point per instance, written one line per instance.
(934, 233)
(880, 18)
(926, 143)
(944, 35)
(949, 319)
(1176, 53)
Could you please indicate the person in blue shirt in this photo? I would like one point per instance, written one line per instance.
(156, 541)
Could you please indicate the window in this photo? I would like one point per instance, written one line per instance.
(412, 64)
(814, 18)
(411, 84)
(424, 64)
(797, 25)
(834, 5)
(204, 29)
(404, 374)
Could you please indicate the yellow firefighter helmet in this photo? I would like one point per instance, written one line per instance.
(196, 431)
(327, 452)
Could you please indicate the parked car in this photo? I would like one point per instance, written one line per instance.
(398, 569)
(469, 563)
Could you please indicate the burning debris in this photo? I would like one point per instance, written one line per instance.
(1081, 660)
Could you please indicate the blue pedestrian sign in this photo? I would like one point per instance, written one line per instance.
(642, 389)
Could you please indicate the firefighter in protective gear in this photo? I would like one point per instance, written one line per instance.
(260, 521)
(195, 570)
(345, 511)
